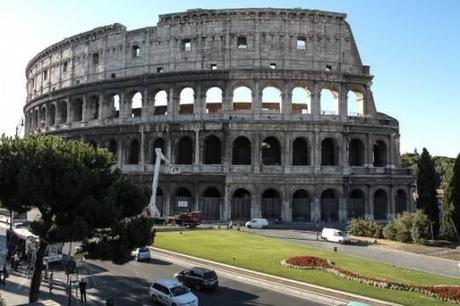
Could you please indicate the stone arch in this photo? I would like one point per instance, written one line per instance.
(271, 151)
(212, 150)
(380, 204)
(77, 109)
(92, 107)
(356, 152)
(300, 152)
(52, 115)
(329, 206)
(356, 204)
(160, 103)
(241, 205)
(329, 152)
(182, 201)
(355, 103)
(329, 102)
(301, 100)
(380, 154)
(114, 105)
(241, 151)
(184, 152)
(400, 201)
(242, 99)
(301, 206)
(211, 204)
(186, 100)
(214, 100)
(271, 99)
(136, 104)
(133, 152)
(271, 205)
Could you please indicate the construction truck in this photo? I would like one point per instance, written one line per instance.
(191, 219)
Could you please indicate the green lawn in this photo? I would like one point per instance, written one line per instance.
(264, 255)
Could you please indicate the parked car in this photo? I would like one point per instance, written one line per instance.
(198, 278)
(257, 223)
(141, 254)
(334, 235)
(171, 293)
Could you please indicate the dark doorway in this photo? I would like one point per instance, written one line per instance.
(185, 151)
(271, 205)
(300, 154)
(301, 209)
(241, 151)
(212, 150)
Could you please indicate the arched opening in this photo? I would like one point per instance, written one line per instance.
(62, 112)
(77, 110)
(93, 108)
(271, 151)
(356, 152)
(329, 102)
(213, 100)
(186, 101)
(160, 144)
(355, 103)
(271, 99)
(52, 115)
(133, 153)
(242, 99)
(115, 106)
(300, 152)
(356, 204)
(329, 152)
(241, 152)
(400, 201)
(380, 204)
(212, 150)
(241, 205)
(136, 105)
(182, 201)
(160, 103)
(184, 154)
(301, 206)
(329, 206)
(211, 204)
(92, 143)
(42, 116)
(160, 201)
(271, 205)
(380, 154)
(36, 120)
(112, 147)
(301, 101)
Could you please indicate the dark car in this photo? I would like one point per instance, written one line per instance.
(198, 278)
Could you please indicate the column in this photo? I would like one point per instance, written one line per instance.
(370, 151)
(124, 107)
(142, 148)
(172, 101)
(343, 101)
(256, 100)
(83, 108)
(286, 159)
(256, 153)
(146, 104)
(226, 214)
(315, 210)
(370, 206)
(227, 98)
(287, 101)
(69, 111)
(199, 107)
(286, 210)
(391, 209)
(256, 208)
(102, 112)
(316, 101)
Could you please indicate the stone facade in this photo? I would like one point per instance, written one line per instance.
(263, 112)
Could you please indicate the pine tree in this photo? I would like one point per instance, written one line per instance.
(447, 228)
(427, 183)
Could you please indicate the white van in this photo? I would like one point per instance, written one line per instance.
(334, 235)
(257, 223)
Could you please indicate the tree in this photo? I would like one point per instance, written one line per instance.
(454, 193)
(79, 195)
(427, 184)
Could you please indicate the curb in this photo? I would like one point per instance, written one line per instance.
(318, 293)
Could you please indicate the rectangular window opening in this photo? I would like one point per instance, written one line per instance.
(242, 43)
(273, 66)
(113, 75)
(95, 58)
(136, 51)
(301, 43)
(187, 45)
(159, 69)
(64, 67)
(328, 67)
(213, 66)
(45, 74)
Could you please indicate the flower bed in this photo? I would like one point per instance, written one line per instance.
(445, 293)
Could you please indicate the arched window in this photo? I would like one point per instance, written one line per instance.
(242, 99)
(42, 117)
(161, 103)
(77, 110)
(92, 108)
(158, 143)
(241, 153)
(184, 151)
(380, 204)
(213, 100)
(300, 152)
(52, 115)
(380, 154)
(271, 151)
(329, 102)
(355, 103)
(271, 99)
(329, 206)
(133, 154)
(241, 205)
(136, 105)
(301, 101)
(187, 99)
(271, 205)
(356, 204)
(211, 204)
(112, 147)
(356, 152)
(301, 209)
(182, 201)
(400, 201)
(115, 106)
(212, 150)
(329, 152)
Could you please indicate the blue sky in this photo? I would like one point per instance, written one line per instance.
(413, 48)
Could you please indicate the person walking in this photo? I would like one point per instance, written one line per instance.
(16, 261)
(82, 285)
(3, 275)
(50, 282)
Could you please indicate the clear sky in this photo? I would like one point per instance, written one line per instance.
(412, 46)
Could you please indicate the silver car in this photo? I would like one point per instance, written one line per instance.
(172, 293)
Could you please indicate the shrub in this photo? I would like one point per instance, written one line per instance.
(408, 227)
(403, 225)
(365, 228)
(389, 231)
(420, 227)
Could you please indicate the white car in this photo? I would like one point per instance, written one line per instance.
(334, 235)
(172, 293)
(257, 223)
(141, 254)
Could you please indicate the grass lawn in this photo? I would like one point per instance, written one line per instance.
(264, 255)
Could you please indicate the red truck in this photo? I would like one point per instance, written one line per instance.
(191, 219)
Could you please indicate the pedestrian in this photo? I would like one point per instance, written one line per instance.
(16, 261)
(50, 282)
(45, 263)
(82, 285)
(3, 274)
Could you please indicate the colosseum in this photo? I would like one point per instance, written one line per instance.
(261, 112)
